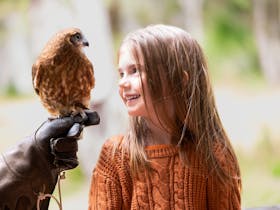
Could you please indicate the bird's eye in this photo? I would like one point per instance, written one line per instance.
(75, 38)
(78, 36)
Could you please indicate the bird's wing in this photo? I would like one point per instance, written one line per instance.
(37, 71)
(90, 75)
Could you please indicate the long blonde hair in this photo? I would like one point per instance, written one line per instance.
(168, 54)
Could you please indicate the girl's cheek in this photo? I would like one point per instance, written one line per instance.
(137, 83)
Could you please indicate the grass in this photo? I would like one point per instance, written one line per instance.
(72, 182)
(260, 170)
(72, 187)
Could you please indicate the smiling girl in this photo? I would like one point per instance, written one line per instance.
(176, 154)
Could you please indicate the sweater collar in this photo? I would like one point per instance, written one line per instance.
(161, 150)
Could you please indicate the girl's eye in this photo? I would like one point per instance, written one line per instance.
(121, 74)
(134, 70)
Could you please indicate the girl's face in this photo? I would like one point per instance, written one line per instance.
(130, 85)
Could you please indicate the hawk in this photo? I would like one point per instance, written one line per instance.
(62, 75)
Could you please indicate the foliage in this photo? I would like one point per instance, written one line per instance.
(230, 42)
(229, 35)
(166, 10)
(8, 6)
(260, 170)
(72, 182)
(11, 90)
(276, 169)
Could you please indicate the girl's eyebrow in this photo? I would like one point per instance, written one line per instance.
(129, 66)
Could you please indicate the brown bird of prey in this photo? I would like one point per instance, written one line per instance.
(63, 76)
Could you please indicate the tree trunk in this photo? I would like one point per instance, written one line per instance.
(267, 31)
(193, 12)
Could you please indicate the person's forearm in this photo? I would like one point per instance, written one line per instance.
(31, 168)
(25, 171)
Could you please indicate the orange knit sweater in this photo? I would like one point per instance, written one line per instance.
(167, 185)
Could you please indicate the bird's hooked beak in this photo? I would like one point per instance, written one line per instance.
(85, 42)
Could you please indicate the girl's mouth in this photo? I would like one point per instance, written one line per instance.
(132, 97)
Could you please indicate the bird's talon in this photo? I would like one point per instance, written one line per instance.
(84, 116)
(52, 118)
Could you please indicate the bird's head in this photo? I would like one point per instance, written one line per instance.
(76, 38)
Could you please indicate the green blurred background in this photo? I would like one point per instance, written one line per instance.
(241, 40)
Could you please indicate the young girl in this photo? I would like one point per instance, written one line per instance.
(176, 154)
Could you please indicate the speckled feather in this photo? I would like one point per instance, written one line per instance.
(63, 76)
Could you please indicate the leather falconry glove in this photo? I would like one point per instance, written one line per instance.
(33, 165)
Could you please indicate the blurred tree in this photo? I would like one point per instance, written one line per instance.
(229, 42)
(13, 49)
(126, 15)
(267, 31)
(114, 14)
(224, 28)
(8, 6)
(193, 17)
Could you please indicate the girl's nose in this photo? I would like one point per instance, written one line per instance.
(124, 82)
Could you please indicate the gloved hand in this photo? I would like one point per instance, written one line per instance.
(57, 138)
(33, 165)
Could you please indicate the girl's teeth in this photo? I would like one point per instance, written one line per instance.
(132, 97)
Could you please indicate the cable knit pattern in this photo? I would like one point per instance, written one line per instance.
(167, 185)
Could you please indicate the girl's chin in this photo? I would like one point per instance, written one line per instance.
(134, 113)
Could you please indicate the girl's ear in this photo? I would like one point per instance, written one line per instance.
(185, 78)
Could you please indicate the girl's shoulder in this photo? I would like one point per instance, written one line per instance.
(113, 147)
(222, 150)
(225, 157)
(114, 142)
(112, 158)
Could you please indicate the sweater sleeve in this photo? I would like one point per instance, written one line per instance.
(105, 190)
(221, 195)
